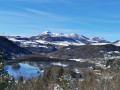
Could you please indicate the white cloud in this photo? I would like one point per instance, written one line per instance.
(45, 14)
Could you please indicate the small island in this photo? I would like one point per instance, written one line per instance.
(15, 66)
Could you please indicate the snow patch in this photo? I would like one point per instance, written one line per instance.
(78, 60)
(60, 64)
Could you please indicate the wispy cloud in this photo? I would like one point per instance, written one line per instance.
(97, 20)
(109, 21)
(54, 16)
(39, 12)
(44, 13)
(62, 30)
(13, 13)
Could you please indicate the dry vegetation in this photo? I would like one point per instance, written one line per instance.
(60, 78)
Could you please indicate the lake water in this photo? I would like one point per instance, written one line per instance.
(25, 70)
(34, 69)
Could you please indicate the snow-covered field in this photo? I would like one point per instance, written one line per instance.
(78, 60)
(59, 64)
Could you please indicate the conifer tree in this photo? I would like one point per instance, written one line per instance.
(4, 77)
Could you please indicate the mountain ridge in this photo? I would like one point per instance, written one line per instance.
(48, 42)
(73, 36)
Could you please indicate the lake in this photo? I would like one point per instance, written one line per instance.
(34, 69)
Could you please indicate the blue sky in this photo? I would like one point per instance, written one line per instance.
(90, 18)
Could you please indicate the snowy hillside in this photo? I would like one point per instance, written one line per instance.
(117, 43)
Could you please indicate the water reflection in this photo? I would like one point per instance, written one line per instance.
(25, 70)
(34, 69)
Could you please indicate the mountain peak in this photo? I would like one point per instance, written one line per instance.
(96, 38)
(46, 33)
(74, 34)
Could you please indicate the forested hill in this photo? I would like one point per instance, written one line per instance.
(8, 47)
(87, 51)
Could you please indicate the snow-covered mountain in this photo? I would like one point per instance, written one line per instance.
(97, 40)
(55, 39)
(52, 41)
(73, 35)
(117, 43)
